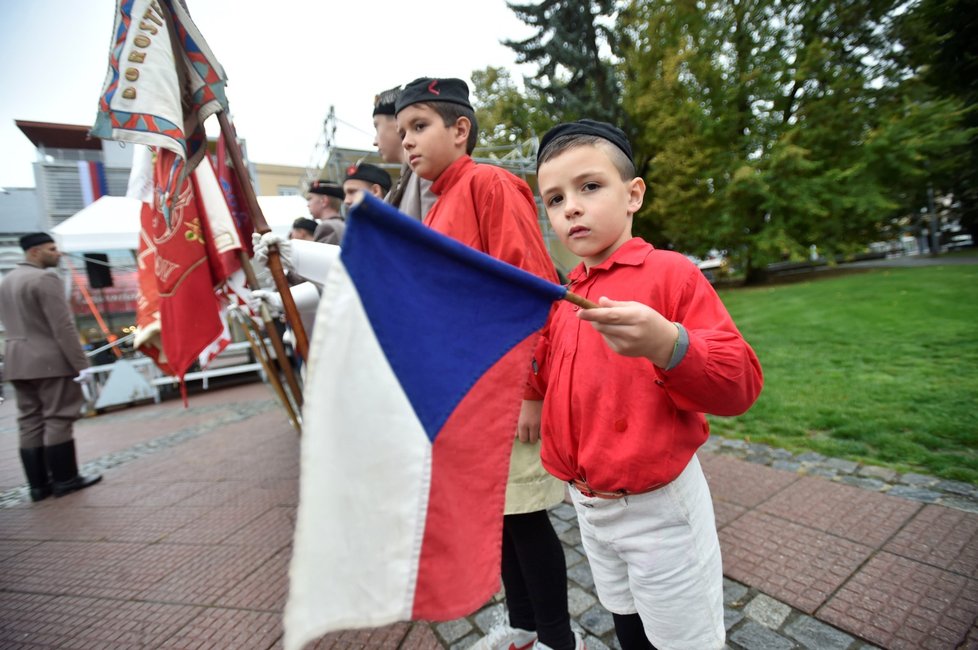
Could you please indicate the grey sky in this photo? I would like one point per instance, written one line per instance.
(287, 61)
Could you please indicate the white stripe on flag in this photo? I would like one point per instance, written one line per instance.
(358, 539)
(85, 178)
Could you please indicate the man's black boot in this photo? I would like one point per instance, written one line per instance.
(64, 469)
(36, 471)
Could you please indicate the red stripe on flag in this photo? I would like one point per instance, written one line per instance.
(462, 546)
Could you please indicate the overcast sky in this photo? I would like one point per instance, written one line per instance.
(287, 62)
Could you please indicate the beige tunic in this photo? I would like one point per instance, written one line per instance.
(41, 337)
(330, 231)
(530, 487)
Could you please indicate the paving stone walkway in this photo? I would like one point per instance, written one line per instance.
(187, 541)
(916, 487)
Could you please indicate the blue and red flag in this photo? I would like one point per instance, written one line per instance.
(417, 366)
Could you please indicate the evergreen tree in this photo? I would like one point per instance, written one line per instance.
(574, 79)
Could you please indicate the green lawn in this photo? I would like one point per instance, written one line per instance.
(879, 367)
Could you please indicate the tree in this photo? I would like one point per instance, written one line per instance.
(939, 48)
(766, 126)
(574, 79)
(506, 115)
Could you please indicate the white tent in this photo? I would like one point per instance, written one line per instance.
(112, 223)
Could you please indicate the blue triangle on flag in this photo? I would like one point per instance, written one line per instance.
(443, 312)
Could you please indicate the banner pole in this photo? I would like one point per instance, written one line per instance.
(254, 340)
(580, 301)
(261, 227)
(283, 360)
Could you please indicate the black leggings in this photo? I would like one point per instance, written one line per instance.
(535, 576)
(631, 632)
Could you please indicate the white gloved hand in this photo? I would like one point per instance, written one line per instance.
(261, 244)
(83, 375)
(270, 298)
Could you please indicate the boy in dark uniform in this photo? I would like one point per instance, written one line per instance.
(412, 194)
(324, 201)
(367, 178)
(303, 228)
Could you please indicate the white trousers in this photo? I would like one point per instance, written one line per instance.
(658, 555)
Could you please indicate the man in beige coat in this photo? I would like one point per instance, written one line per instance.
(43, 356)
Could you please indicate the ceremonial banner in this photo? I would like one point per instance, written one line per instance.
(223, 241)
(148, 326)
(418, 361)
(188, 307)
(198, 249)
(232, 193)
(163, 82)
(224, 247)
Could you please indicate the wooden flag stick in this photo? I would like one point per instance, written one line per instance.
(274, 263)
(261, 226)
(261, 353)
(581, 302)
(280, 356)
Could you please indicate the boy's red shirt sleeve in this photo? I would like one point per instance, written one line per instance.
(720, 373)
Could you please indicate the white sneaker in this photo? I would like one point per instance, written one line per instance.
(503, 637)
(578, 644)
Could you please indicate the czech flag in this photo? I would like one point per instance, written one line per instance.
(418, 362)
(91, 176)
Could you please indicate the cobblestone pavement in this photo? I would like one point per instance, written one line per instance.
(916, 487)
(186, 543)
(754, 619)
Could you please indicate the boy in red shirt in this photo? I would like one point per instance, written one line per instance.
(624, 387)
(493, 211)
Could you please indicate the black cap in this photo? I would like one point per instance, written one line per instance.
(35, 239)
(328, 188)
(384, 102)
(603, 130)
(305, 224)
(426, 89)
(369, 173)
